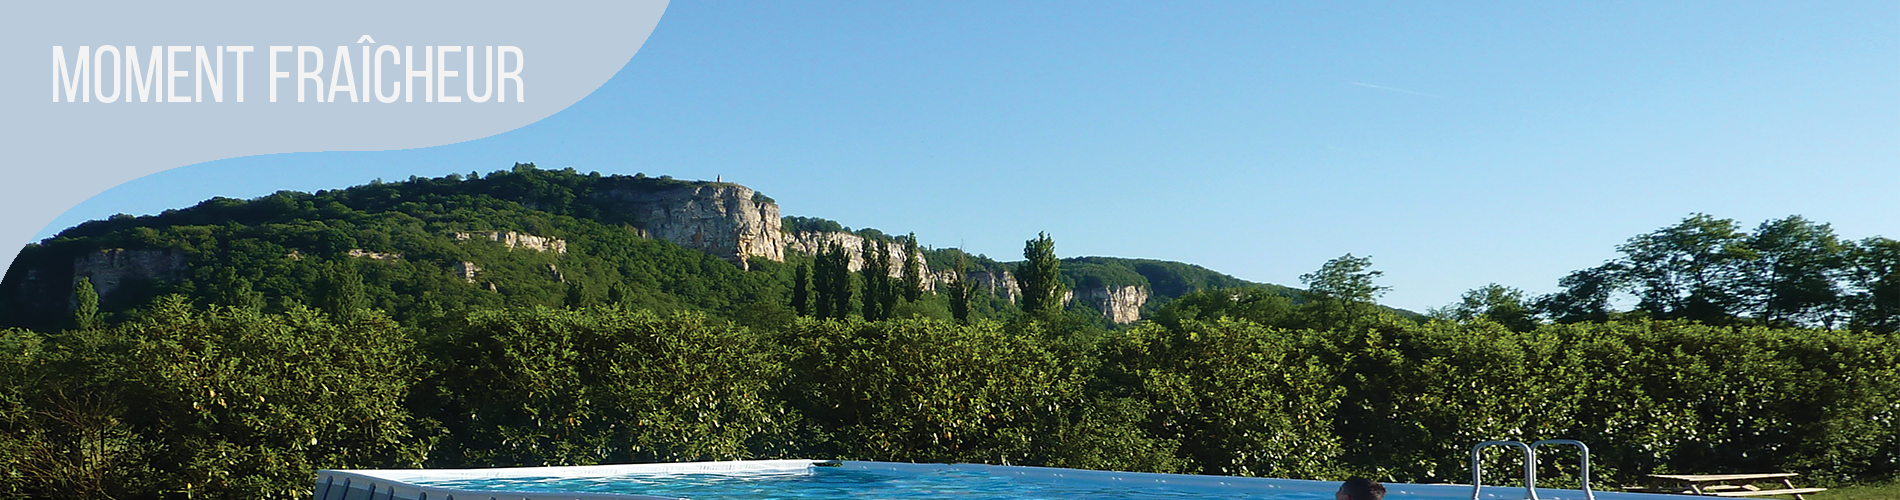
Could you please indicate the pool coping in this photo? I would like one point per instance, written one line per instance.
(392, 484)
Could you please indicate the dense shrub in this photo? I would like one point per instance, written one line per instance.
(1238, 398)
(538, 386)
(231, 403)
(227, 403)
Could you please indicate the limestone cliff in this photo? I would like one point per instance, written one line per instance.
(811, 242)
(114, 267)
(999, 283)
(727, 220)
(510, 239)
(1120, 304)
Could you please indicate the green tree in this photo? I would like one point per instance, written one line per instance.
(876, 281)
(832, 274)
(1876, 285)
(620, 295)
(1498, 303)
(959, 289)
(576, 296)
(1256, 305)
(1040, 277)
(1794, 279)
(801, 289)
(1584, 295)
(539, 386)
(888, 287)
(341, 291)
(86, 305)
(913, 269)
(235, 291)
(1691, 270)
(1343, 290)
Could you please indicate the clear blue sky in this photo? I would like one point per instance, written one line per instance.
(1456, 144)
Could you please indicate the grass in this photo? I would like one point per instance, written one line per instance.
(1889, 491)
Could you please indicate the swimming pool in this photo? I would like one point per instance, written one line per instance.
(808, 479)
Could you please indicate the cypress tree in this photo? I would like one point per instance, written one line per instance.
(887, 287)
(841, 287)
(1040, 277)
(959, 292)
(342, 291)
(620, 295)
(824, 293)
(576, 296)
(86, 305)
(913, 269)
(235, 291)
(875, 280)
(801, 290)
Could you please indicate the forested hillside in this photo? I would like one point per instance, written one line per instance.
(425, 247)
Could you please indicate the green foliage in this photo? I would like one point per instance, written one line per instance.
(802, 290)
(1688, 270)
(541, 386)
(1496, 303)
(931, 390)
(795, 224)
(1256, 305)
(831, 277)
(233, 402)
(1235, 397)
(400, 241)
(958, 290)
(225, 403)
(880, 293)
(86, 312)
(335, 329)
(1792, 277)
(1040, 277)
(913, 277)
(1790, 271)
(1342, 291)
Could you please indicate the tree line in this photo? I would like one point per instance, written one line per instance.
(1786, 272)
(236, 402)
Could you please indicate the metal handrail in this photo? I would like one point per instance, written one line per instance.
(1530, 467)
(1584, 475)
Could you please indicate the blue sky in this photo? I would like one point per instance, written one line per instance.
(1458, 144)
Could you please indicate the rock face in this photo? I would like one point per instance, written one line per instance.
(466, 270)
(732, 222)
(810, 243)
(727, 220)
(1120, 304)
(511, 239)
(736, 223)
(1001, 284)
(365, 254)
(110, 268)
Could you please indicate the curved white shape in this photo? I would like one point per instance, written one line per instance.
(61, 153)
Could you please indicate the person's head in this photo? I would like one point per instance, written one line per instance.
(1359, 488)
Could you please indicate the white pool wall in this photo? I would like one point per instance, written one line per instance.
(392, 484)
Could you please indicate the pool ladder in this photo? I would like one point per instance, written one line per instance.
(1530, 465)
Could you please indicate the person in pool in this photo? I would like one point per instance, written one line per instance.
(1359, 488)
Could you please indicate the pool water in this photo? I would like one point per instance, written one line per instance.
(833, 482)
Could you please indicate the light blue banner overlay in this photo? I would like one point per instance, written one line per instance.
(105, 94)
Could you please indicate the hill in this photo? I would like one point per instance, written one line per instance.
(425, 248)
